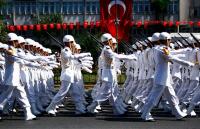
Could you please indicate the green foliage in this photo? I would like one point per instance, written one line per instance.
(52, 18)
(3, 32)
(160, 7)
(42, 35)
(2, 2)
(88, 44)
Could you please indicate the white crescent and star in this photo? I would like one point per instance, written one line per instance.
(117, 2)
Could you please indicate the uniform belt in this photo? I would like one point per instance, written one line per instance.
(109, 67)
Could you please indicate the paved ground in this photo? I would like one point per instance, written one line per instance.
(98, 122)
(66, 119)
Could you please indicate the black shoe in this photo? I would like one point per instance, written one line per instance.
(151, 120)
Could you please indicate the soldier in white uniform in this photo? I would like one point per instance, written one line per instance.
(162, 80)
(67, 73)
(109, 77)
(12, 79)
(194, 75)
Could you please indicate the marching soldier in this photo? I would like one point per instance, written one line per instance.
(162, 80)
(109, 77)
(12, 78)
(67, 73)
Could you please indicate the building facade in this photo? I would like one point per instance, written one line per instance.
(20, 12)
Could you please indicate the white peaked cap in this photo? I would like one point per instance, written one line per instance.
(4, 46)
(78, 46)
(37, 44)
(29, 41)
(164, 36)
(190, 40)
(68, 38)
(49, 51)
(114, 40)
(155, 37)
(133, 46)
(149, 39)
(105, 37)
(12, 37)
(21, 39)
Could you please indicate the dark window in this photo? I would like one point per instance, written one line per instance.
(94, 7)
(88, 8)
(80, 8)
(46, 8)
(65, 7)
(75, 6)
(40, 7)
(22, 8)
(58, 7)
(98, 7)
(52, 7)
(28, 9)
(70, 8)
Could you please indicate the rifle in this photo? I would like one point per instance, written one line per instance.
(195, 38)
(59, 43)
(185, 40)
(147, 39)
(99, 44)
(177, 42)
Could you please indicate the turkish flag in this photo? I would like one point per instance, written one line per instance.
(115, 16)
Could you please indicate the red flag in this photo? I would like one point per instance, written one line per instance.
(115, 16)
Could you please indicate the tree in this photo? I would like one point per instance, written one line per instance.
(3, 30)
(2, 3)
(160, 8)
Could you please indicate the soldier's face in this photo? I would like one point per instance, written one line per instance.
(110, 42)
(114, 46)
(168, 42)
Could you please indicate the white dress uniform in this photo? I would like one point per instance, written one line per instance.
(150, 64)
(13, 81)
(194, 77)
(185, 77)
(196, 97)
(67, 76)
(129, 78)
(99, 81)
(76, 90)
(162, 84)
(2, 72)
(109, 81)
(134, 84)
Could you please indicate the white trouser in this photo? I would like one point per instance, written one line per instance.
(18, 92)
(133, 89)
(146, 92)
(183, 89)
(196, 97)
(194, 84)
(154, 97)
(127, 86)
(95, 89)
(108, 91)
(176, 83)
(64, 88)
(77, 96)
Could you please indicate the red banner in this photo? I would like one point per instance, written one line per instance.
(116, 16)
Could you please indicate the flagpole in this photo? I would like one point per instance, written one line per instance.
(116, 25)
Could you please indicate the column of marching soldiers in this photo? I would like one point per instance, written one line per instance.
(159, 72)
